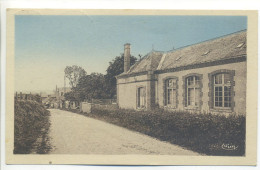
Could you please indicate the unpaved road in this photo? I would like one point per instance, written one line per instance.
(71, 133)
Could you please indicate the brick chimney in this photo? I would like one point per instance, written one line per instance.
(127, 57)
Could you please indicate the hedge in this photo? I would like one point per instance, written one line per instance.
(31, 119)
(204, 133)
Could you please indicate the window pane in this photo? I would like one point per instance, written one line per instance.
(172, 83)
(169, 83)
(218, 79)
(220, 91)
(227, 91)
(191, 97)
(227, 105)
(197, 81)
(190, 81)
(143, 97)
(169, 98)
(218, 96)
(227, 79)
(174, 98)
(197, 97)
(227, 94)
(193, 91)
(220, 101)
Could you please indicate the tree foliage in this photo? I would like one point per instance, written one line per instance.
(89, 87)
(95, 85)
(116, 67)
(71, 96)
(74, 73)
(92, 86)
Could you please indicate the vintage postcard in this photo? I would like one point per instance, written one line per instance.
(131, 87)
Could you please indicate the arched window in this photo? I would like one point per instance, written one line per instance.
(222, 90)
(171, 92)
(193, 89)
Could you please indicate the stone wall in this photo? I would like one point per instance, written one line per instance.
(127, 88)
(239, 86)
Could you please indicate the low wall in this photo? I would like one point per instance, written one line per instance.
(85, 107)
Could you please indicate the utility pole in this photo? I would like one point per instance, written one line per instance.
(64, 84)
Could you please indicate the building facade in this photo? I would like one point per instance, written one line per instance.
(205, 77)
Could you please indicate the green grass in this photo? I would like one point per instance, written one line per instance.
(204, 133)
(31, 120)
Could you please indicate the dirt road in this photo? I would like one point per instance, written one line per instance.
(71, 133)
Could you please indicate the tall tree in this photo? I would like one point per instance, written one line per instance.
(115, 68)
(89, 87)
(74, 73)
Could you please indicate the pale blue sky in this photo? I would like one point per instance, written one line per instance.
(44, 45)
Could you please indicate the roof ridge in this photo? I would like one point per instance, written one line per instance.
(161, 61)
(156, 59)
(222, 36)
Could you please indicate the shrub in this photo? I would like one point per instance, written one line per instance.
(204, 133)
(30, 119)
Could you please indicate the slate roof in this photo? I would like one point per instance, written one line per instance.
(148, 62)
(230, 46)
(225, 47)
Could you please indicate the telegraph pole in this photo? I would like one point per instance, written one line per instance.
(64, 84)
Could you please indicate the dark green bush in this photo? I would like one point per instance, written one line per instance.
(30, 118)
(204, 133)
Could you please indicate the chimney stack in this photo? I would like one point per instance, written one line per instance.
(127, 57)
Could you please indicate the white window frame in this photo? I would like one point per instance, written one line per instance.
(174, 97)
(223, 85)
(194, 86)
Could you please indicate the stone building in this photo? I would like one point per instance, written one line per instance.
(205, 77)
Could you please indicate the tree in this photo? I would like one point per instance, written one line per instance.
(91, 87)
(115, 68)
(73, 96)
(74, 73)
(95, 85)
(70, 96)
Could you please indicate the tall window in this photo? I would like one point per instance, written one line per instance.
(192, 91)
(141, 97)
(222, 90)
(171, 92)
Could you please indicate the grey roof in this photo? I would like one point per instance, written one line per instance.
(230, 46)
(148, 62)
(226, 47)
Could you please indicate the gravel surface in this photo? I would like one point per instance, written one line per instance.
(71, 133)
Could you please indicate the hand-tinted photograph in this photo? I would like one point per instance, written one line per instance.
(130, 85)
